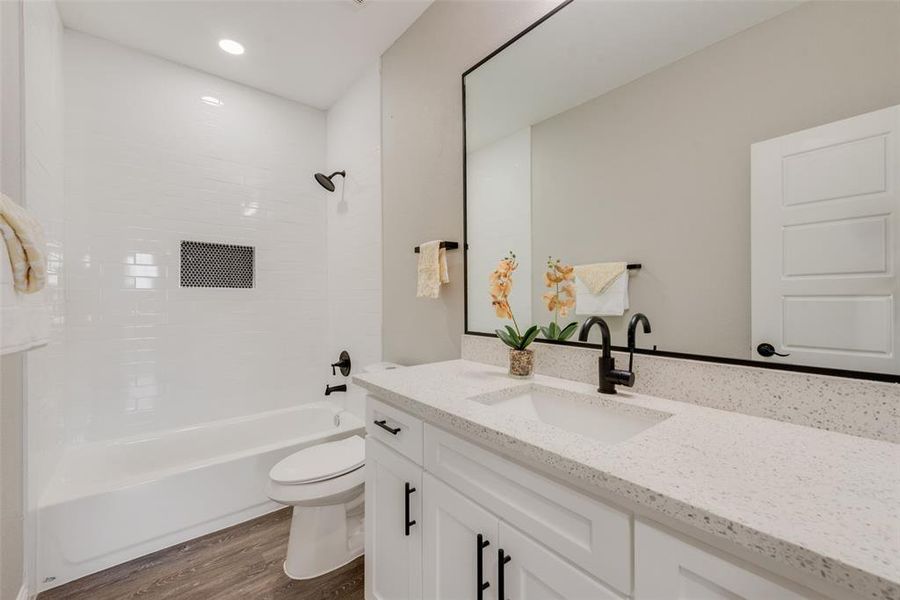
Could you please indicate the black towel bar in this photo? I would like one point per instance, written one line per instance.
(447, 245)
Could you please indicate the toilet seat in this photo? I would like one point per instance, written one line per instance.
(329, 491)
(320, 462)
(329, 473)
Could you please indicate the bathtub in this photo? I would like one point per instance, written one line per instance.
(110, 502)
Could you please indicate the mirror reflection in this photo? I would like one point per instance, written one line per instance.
(744, 165)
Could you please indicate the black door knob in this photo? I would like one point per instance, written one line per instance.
(768, 350)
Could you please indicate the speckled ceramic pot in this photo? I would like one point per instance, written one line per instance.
(521, 363)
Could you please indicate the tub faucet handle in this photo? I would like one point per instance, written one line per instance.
(343, 364)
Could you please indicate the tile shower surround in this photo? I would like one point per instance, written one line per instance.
(149, 165)
(868, 409)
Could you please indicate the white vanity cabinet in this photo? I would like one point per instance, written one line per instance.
(669, 567)
(535, 573)
(393, 525)
(461, 542)
(468, 505)
(471, 504)
(463, 546)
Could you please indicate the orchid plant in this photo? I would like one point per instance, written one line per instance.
(559, 277)
(501, 286)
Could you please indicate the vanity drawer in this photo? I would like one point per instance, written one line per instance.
(394, 428)
(591, 534)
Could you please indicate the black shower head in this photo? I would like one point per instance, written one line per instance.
(325, 180)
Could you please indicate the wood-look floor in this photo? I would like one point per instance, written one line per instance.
(244, 561)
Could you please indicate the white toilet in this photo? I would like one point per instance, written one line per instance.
(325, 485)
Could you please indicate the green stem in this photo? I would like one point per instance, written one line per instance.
(556, 310)
(516, 325)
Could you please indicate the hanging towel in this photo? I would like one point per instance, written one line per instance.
(612, 300)
(599, 276)
(24, 318)
(24, 240)
(432, 270)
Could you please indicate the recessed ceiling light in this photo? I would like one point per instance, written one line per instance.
(212, 100)
(231, 46)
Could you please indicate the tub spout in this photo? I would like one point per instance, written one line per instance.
(329, 389)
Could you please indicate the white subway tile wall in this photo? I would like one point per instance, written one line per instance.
(149, 164)
(44, 198)
(354, 229)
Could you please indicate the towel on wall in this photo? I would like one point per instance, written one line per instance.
(432, 270)
(597, 277)
(24, 240)
(612, 300)
(24, 318)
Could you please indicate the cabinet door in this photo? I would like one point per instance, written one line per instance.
(669, 568)
(453, 524)
(591, 534)
(535, 573)
(393, 549)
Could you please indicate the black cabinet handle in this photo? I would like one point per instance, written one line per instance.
(409, 490)
(502, 559)
(482, 585)
(392, 430)
(768, 350)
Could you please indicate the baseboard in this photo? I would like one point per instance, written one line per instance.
(23, 593)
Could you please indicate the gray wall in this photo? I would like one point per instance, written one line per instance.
(658, 170)
(12, 537)
(12, 417)
(422, 180)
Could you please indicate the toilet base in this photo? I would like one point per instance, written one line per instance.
(350, 560)
(324, 538)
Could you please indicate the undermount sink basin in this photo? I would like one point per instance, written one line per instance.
(595, 416)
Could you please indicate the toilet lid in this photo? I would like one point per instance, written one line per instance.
(321, 462)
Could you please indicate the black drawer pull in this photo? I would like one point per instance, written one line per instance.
(409, 490)
(503, 558)
(482, 585)
(391, 430)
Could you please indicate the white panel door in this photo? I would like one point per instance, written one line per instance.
(453, 524)
(667, 568)
(824, 245)
(532, 572)
(393, 549)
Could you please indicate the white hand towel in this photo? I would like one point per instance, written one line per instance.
(24, 318)
(598, 276)
(432, 270)
(25, 246)
(613, 301)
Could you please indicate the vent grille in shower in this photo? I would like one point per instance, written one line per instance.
(204, 264)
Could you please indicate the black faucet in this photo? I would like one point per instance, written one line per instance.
(632, 331)
(329, 389)
(343, 364)
(609, 376)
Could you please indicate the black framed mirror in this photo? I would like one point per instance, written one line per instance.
(729, 169)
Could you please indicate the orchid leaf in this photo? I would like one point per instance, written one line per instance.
(567, 331)
(528, 337)
(504, 336)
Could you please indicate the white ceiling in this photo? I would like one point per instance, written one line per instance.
(590, 48)
(306, 50)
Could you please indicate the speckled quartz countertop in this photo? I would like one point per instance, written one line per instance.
(824, 503)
